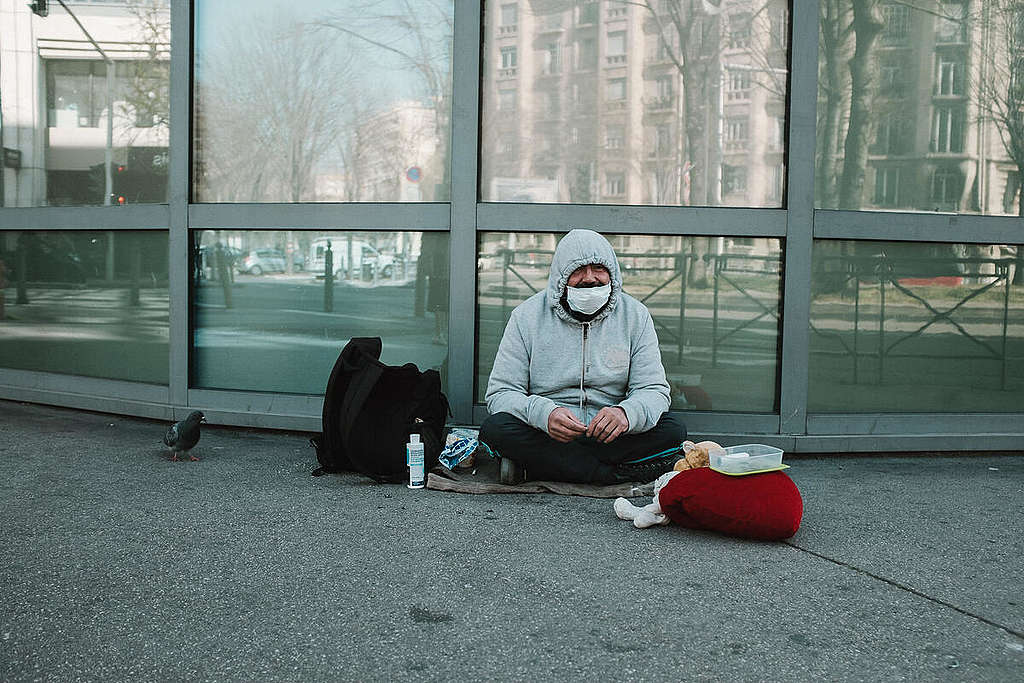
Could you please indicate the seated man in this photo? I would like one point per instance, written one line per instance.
(578, 392)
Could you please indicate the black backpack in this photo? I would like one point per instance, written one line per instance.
(371, 408)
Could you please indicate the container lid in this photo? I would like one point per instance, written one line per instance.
(414, 438)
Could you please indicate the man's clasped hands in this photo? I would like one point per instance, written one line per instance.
(606, 426)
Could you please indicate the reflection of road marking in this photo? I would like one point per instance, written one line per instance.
(312, 313)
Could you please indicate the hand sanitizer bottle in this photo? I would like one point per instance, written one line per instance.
(414, 456)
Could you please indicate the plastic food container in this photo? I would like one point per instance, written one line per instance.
(751, 457)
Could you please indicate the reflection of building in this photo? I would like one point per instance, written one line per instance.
(931, 146)
(393, 156)
(586, 101)
(58, 114)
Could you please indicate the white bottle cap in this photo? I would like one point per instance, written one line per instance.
(414, 438)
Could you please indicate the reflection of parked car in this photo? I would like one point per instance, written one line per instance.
(260, 261)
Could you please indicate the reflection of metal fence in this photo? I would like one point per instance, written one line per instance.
(725, 268)
(900, 274)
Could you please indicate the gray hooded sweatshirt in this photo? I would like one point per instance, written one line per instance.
(548, 359)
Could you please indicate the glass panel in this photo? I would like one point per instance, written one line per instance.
(715, 303)
(916, 327)
(85, 123)
(85, 303)
(268, 318)
(925, 115)
(696, 92)
(323, 101)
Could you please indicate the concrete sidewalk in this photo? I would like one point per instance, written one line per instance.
(117, 564)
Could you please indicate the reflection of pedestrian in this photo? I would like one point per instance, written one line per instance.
(434, 263)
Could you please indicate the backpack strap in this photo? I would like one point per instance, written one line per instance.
(359, 389)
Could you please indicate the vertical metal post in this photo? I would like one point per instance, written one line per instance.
(881, 326)
(1004, 269)
(178, 243)
(714, 314)
(796, 297)
(462, 245)
(856, 325)
(683, 263)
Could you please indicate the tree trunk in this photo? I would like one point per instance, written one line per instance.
(866, 28)
(1018, 270)
(833, 44)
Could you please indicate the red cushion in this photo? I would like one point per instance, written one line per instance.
(763, 506)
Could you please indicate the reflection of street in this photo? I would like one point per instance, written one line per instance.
(94, 332)
(277, 337)
(738, 373)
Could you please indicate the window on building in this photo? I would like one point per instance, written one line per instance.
(615, 136)
(552, 21)
(615, 184)
(891, 134)
(779, 26)
(509, 15)
(586, 13)
(950, 73)
(777, 134)
(736, 133)
(947, 184)
(738, 85)
(778, 182)
(662, 140)
(574, 135)
(896, 24)
(508, 146)
(552, 59)
(586, 53)
(507, 100)
(75, 93)
(948, 130)
(734, 179)
(739, 30)
(616, 89)
(887, 186)
(664, 88)
(508, 57)
(951, 26)
(616, 43)
(891, 76)
(550, 100)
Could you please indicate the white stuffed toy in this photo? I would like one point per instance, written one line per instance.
(648, 515)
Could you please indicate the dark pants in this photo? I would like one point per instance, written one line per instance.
(583, 461)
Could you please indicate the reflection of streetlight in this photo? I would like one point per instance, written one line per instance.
(39, 7)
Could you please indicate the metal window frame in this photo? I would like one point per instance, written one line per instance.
(798, 223)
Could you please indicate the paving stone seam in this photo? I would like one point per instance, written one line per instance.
(910, 589)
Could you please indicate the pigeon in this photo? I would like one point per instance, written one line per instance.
(181, 436)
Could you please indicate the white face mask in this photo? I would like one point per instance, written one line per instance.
(588, 300)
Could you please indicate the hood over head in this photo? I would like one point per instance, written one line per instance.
(580, 248)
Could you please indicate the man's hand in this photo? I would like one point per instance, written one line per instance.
(608, 424)
(563, 425)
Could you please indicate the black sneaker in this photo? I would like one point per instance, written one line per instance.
(646, 469)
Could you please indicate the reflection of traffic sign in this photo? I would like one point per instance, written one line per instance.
(413, 174)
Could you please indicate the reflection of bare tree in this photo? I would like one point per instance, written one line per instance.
(836, 31)
(148, 87)
(688, 31)
(866, 27)
(420, 35)
(270, 100)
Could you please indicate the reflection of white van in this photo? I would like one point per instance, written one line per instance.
(365, 258)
